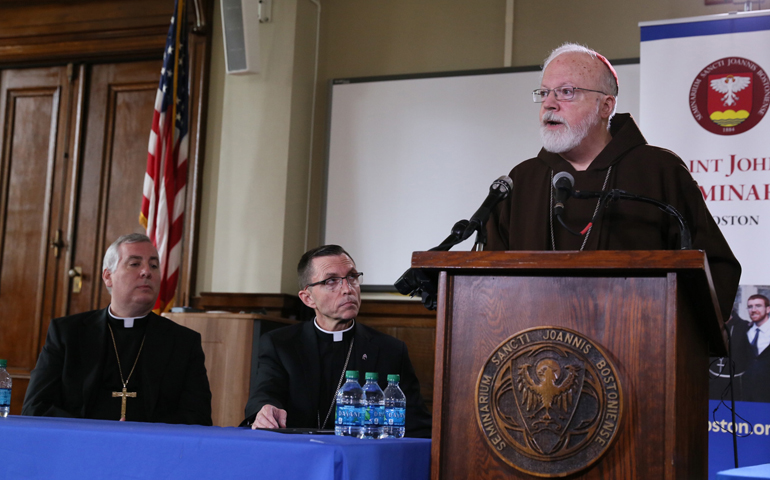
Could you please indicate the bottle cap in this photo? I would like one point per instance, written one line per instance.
(372, 376)
(3, 363)
(351, 374)
(394, 377)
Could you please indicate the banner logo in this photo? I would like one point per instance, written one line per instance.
(549, 401)
(730, 96)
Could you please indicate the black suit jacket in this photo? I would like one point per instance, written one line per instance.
(174, 380)
(289, 375)
(742, 351)
(756, 371)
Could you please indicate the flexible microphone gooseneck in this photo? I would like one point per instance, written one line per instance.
(617, 194)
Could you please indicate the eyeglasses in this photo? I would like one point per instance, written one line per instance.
(565, 94)
(334, 283)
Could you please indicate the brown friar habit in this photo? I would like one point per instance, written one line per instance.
(522, 221)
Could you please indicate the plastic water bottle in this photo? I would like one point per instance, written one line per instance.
(5, 389)
(374, 407)
(350, 416)
(395, 409)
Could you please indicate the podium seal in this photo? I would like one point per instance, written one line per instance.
(549, 401)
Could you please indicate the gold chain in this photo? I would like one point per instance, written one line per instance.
(125, 382)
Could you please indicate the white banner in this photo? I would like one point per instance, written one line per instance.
(704, 94)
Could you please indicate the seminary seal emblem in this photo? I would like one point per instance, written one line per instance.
(730, 96)
(549, 401)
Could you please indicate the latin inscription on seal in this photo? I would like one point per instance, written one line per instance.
(549, 401)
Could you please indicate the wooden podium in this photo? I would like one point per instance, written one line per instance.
(654, 316)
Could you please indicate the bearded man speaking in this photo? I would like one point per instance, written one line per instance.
(582, 136)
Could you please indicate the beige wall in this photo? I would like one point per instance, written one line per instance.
(248, 157)
(609, 26)
(257, 215)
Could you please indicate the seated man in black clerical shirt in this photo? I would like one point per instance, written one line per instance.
(301, 366)
(123, 362)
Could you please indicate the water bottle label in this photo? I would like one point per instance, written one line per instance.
(5, 397)
(395, 417)
(349, 415)
(375, 415)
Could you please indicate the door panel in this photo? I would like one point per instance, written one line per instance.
(121, 100)
(131, 110)
(32, 173)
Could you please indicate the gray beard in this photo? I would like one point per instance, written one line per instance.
(560, 142)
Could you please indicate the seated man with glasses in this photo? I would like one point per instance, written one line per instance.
(302, 366)
(582, 136)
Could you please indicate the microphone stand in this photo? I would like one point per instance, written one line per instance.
(732, 393)
(481, 238)
(417, 282)
(616, 194)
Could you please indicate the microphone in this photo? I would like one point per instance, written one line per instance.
(498, 191)
(563, 183)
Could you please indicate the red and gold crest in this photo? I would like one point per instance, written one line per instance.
(730, 96)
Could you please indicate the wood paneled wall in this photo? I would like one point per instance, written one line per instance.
(415, 325)
(48, 31)
(89, 32)
(275, 304)
(230, 343)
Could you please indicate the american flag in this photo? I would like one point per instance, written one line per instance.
(165, 182)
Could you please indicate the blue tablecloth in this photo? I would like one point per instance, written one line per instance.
(57, 448)
(757, 471)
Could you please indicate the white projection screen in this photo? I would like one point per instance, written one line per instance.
(410, 156)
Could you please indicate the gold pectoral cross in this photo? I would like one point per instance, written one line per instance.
(123, 396)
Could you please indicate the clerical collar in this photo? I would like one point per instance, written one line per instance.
(336, 335)
(128, 322)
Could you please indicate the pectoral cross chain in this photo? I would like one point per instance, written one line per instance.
(123, 396)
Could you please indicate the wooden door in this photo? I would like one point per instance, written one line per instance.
(121, 98)
(35, 177)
